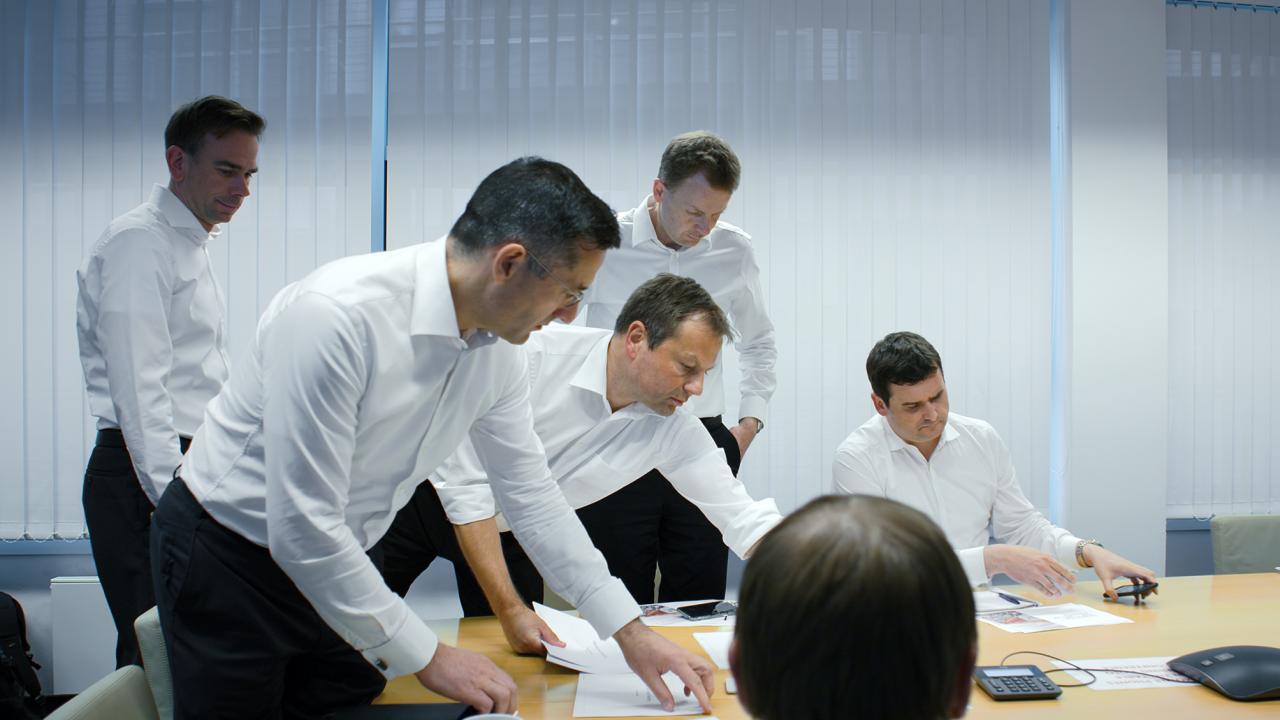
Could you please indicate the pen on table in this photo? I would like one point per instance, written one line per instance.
(1010, 598)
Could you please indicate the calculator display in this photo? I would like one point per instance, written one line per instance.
(1007, 672)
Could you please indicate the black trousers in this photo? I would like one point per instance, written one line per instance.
(243, 642)
(648, 525)
(118, 515)
(421, 532)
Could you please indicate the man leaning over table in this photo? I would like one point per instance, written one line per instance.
(607, 407)
(361, 379)
(959, 472)
(677, 229)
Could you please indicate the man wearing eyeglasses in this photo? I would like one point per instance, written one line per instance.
(362, 378)
(606, 406)
(677, 229)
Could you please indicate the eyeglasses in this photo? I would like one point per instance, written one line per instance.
(575, 296)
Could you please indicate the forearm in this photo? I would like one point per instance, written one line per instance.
(482, 547)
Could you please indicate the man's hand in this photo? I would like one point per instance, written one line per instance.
(470, 678)
(744, 432)
(651, 655)
(1110, 566)
(525, 631)
(1030, 567)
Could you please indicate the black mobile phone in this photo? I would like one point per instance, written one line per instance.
(703, 611)
(1137, 590)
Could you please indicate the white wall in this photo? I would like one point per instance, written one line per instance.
(1118, 365)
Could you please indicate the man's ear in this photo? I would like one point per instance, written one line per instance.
(964, 685)
(881, 406)
(636, 336)
(507, 260)
(177, 160)
(659, 189)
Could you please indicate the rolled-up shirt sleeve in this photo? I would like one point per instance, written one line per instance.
(137, 351)
(314, 377)
(463, 487)
(697, 469)
(531, 502)
(756, 344)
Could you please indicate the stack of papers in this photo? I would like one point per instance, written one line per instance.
(584, 651)
(628, 696)
(1050, 617)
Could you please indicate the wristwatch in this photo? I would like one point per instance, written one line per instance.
(1080, 552)
(759, 424)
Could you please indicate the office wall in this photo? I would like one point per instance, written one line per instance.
(1118, 325)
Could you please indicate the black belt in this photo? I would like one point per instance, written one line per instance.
(113, 438)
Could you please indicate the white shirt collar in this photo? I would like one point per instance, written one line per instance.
(433, 311)
(180, 217)
(896, 443)
(642, 229)
(593, 377)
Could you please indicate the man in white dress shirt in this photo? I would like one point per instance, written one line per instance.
(959, 472)
(362, 378)
(606, 405)
(677, 229)
(149, 318)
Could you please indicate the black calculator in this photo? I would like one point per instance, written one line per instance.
(1015, 682)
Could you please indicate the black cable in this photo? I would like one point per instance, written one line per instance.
(1088, 671)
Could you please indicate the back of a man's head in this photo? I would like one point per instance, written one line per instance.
(854, 607)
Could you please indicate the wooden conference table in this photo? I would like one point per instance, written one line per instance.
(1191, 613)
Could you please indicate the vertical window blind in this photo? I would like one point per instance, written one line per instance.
(86, 89)
(1224, 254)
(895, 174)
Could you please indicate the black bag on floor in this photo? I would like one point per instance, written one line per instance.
(19, 686)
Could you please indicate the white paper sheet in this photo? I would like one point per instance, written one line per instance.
(1051, 617)
(1128, 681)
(665, 615)
(626, 695)
(584, 651)
(717, 646)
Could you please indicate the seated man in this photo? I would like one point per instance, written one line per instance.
(958, 471)
(606, 408)
(854, 607)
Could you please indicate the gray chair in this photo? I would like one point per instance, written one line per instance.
(122, 695)
(1245, 543)
(156, 658)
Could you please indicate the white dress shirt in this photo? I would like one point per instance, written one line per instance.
(358, 385)
(725, 264)
(968, 487)
(149, 320)
(594, 452)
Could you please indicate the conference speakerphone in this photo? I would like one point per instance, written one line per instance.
(1015, 682)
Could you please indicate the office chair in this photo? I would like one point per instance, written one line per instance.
(122, 695)
(1245, 543)
(155, 656)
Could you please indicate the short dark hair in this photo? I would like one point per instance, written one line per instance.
(541, 205)
(901, 358)
(210, 114)
(700, 152)
(853, 607)
(664, 301)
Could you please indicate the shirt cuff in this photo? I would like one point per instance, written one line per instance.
(407, 652)
(762, 517)
(609, 608)
(752, 406)
(974, 562)
(1067, 551)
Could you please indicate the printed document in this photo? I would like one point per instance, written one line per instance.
(717, 646)
(1128, 681)
(584, 651)
(628, 696)
(1050, 617)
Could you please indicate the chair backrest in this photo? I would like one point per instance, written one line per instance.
(155, 656)
(1245, 543)
(122, 695)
